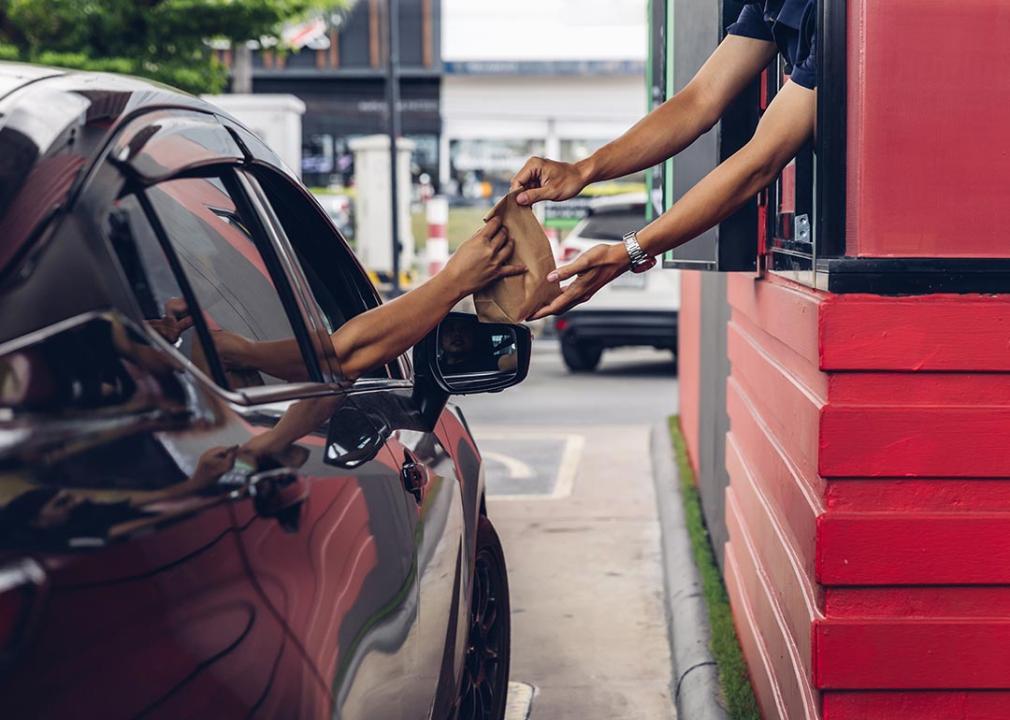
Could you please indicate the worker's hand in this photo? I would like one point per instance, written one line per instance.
(542, 179)
(594, 269)
(482, 259)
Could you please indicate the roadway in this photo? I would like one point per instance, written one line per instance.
(568, 474)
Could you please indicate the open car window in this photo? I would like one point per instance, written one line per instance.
(335, 280)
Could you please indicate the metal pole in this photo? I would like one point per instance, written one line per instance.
(393, 102)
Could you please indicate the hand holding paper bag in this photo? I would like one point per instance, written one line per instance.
(514, 299)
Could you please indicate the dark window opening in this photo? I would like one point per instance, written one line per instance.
(340, 289)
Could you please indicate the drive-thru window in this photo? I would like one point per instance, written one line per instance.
(843, 375)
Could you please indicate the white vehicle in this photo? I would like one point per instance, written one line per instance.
(634, 309)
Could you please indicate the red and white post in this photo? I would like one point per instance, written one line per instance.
(437, 247)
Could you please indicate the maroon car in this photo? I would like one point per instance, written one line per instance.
(184, 537)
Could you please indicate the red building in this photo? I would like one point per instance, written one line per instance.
(846, 399)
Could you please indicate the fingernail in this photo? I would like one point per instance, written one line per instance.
(552, 276)
(521, 198)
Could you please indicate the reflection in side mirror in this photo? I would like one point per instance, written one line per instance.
(464, 355)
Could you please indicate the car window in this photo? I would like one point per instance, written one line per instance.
(340, 289)
(161, 298)
(612, 225)
(212, 238)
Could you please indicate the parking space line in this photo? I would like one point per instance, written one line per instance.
(568, 467)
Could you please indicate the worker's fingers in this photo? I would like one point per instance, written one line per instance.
(576, 267)
(533, 195)
(570, 297)
(529, 173)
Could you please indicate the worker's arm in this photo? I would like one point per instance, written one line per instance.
(787, 123)
(664, 132)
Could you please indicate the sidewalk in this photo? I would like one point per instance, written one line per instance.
(589, 624)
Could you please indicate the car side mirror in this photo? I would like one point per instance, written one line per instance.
(463, 356)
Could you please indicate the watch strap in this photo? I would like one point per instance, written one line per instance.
(639, 259)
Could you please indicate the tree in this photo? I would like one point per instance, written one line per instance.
(164, 40)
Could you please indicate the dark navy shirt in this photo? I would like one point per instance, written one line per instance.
(792, 26)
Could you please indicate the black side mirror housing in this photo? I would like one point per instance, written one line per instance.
(463, 356)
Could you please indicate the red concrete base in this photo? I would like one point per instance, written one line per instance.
(868, 513)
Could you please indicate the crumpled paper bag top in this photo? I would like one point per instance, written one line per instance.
(514, 299)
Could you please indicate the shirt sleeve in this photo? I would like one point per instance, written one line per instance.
(751, 23)
(805, 71)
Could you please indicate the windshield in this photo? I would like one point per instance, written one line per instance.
(612, 225)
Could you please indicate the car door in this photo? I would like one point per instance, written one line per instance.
(327, 537)
(413, 444)
(437, 519)
(120, 496)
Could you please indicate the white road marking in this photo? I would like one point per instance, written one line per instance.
(520, 701)
(564, 481)
(517, 469)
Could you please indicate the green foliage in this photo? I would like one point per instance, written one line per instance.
(160, 39)
(736, 688)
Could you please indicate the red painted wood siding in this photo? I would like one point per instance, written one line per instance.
(869, 505)
(928, 117)
(689, 359)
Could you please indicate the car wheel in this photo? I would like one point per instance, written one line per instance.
(484, 691)
(581, 357)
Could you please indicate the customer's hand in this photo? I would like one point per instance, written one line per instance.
(542, 179)
(482, 259)
(594, 268)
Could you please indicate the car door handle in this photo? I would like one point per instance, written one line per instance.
(279, 493)
(414, 476)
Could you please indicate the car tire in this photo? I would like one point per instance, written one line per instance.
(484, 689)
(580, 356)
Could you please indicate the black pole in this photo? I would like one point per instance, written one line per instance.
(393, 102)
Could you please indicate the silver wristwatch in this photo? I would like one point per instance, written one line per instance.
(640, 261)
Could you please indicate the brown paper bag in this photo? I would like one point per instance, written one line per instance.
(513, 299)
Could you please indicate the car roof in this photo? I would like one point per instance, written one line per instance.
(17, 75)
(617, 203)
(54, 125)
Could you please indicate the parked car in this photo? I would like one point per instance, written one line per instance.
(635, 309)
(181, 539)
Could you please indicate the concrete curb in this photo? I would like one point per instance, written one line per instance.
(695, 683)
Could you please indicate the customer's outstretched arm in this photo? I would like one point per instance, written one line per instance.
(375, 337)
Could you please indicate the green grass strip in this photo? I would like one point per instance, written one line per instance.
(736, 688)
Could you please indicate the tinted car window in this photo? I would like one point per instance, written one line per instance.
(213, 240)
(613, 225)
(150, 277)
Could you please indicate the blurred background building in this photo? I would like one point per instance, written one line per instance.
(535, 78)
(484, 85)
